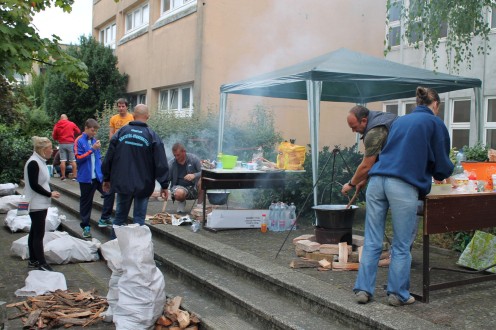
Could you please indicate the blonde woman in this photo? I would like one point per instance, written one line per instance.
(38, 193)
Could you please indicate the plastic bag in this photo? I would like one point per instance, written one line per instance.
(290, 156)
(480, 252)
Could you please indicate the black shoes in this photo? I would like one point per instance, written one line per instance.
(46, 267)
(33, 264)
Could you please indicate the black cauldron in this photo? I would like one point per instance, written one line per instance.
(334, 216)
(218, 197)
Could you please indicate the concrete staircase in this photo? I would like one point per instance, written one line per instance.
(232, 289)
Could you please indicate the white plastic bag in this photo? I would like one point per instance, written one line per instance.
(66, 249)
(41, 282)
(7, 189)
(8, 203)
(20, 246)
(141, 287)
(23, 222)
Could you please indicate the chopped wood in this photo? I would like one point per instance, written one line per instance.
(61, 308)
(325, 264)
(357, 240)
(385, 255)
(332, 249)
(192, 327)
(182, 318)
(303, 263)
(162, 320)
(300, 252)
(322, 269)
(345, 266)
(353, 257)
(384, 262)
(172, 305)
(318, 256)
(343, 252)
(308, 237)
(175, 318)
(194, 318)
(307, 245)
(20, 303)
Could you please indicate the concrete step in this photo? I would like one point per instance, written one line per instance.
(224, 285)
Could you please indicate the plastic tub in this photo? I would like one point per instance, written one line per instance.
(228, 161)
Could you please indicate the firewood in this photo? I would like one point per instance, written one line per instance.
(307, 245)
(308, 237)
(332, 249)
(343, 252)
(68, 320)
(182, 318)
(173, 304)
(353, 257)
(194, 318)
(162, 320)
(325, 264)
(300, 252)
(318, 256)
(15, 304)
(303, 263)
(384, 262)
(32, 318)
(357, 240)
(322, 269)
(345, 266)
(192, 327)
(158, 326)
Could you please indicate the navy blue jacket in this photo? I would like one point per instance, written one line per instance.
(417, 149)
(134, 160)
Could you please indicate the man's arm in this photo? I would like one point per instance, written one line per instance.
(111, 132)
(361, 174)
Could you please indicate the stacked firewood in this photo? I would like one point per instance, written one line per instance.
(161, 218)
(339, 256)
(174, 318)
(61, 308)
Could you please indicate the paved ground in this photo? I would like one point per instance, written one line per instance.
(466, 307)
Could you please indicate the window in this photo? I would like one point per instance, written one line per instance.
(392, 108)
(409, 107)
(177, 100)
(460, 123)
(135, 99)
(394, 28)
(137, 18)
(107, 35)
(171, 5)
(491, 123)
(493, 18)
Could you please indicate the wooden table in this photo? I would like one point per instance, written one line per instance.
(449, 213)
(239, 179)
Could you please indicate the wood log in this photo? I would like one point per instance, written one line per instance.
(325, 264)
(162, 320)
(307, 245)
(192, 327)
(308, 237)
(182, 318)
(32, 318)
(353, 257)
(319, 256)
(343, 252)
(173, 304)
(332, 249)
(357, 240)
(384, 262)
(193, 318)
(300, 252)
(345, 266)
(303, 263)
(68, 320)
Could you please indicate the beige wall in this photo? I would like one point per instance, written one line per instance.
(226, 41)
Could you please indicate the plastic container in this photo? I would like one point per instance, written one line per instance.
(482, 170)
(263, 225)
(228, 161)
(493, 177)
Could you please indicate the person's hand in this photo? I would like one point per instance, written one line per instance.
(55, 194)
(97, 145)
(189, 177)
(345, 189)
(106, 186)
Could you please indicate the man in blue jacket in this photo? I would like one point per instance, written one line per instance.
(88, 158)
(135, 159)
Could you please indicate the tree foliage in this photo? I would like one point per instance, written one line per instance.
(424, 20)
(105, 83)
(22, 45)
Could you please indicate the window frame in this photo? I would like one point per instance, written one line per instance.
(103, 34)
(459, 125)
(180, 111)
(488, 125)
(175, 6)
(143, 11)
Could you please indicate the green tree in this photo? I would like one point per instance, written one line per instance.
(22, 45)
(105, 83)
(424, 20)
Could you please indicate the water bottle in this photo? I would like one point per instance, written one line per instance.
(460, 157)
(218, 164)
(292, 215)
(271, 222)
(277, 216)
(195, 227)
(283, 221)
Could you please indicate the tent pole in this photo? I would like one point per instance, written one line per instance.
(479, 118)
(222, 116)
(314, 91)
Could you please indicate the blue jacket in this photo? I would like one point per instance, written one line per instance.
(83, 152)
(417, 149)
(134, 160)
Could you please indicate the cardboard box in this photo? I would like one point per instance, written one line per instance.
(235, 218)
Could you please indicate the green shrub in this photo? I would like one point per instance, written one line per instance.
(15, 149)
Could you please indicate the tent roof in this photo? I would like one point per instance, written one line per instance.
(348, 76)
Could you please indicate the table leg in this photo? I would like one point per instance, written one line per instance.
(204, 207)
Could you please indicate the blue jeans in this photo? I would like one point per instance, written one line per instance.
(123, 205)
(382, 193)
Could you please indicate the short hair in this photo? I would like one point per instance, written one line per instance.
(425, 96)
(122, 100)
(178, 146)
(360, 112)
(140, 111)
(91, 123)
(40, 143)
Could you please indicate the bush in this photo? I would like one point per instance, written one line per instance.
(15, 149)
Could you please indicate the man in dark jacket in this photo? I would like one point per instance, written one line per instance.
(134, 160)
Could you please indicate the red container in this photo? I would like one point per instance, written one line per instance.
(482, 170)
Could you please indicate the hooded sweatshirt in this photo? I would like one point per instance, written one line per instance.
(65, 131)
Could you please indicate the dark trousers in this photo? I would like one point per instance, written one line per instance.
(36, 234)
(86, 201)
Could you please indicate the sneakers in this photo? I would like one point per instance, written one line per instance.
(362, 297)
(104, 223)
(62, 178)
(46, 268)
(33, 264)
(180, 207)
(395, 301)
(86, 232)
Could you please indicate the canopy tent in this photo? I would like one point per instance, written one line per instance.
(342, 76)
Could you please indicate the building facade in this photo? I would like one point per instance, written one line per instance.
(178, 53)
(467, 121)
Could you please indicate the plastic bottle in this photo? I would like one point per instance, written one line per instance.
(277, 216)
(263, 225)
(283, 218)
(271, 221)
(195, 227)
(460, 157)
(292, 215)
(218, 164)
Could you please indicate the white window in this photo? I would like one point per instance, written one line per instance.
(169, 6)
(392, 108)
(135, 99)
(493, 18)
(137, 17)
(107, 35)
(490, 123)
(177, 100)
(460, 123)
(394, 26)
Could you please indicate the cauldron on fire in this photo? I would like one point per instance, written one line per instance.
(334, 223)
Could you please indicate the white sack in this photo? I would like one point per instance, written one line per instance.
(111, 252)
(142, 286)
(70, 249)
(23, 222)
(8, 203)
(7, 189)
(41, 282)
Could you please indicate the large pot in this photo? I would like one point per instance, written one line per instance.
(334, 216)
(333, 236)
(217, 197)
